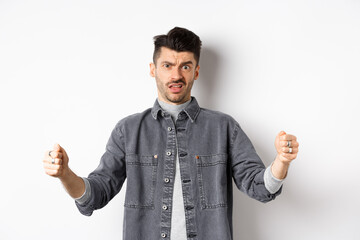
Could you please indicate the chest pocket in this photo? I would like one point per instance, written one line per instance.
(211, 170)
(141, 181)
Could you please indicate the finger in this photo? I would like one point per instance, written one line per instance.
(289, 156)
(287, 150)
(292, 143)
(288, 137)
(57, 161)
(50, 172)
(53, 172)
(54, 154)
(48, 154)
(50, 166)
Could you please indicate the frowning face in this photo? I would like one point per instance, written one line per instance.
(175, 73)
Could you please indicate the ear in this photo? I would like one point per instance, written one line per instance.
(152, 69)
(197, 72)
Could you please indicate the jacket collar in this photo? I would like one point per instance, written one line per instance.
(192, 109)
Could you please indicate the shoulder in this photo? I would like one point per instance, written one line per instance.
(217, 116)
(133, 119)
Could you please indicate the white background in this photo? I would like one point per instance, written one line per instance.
(69, 70)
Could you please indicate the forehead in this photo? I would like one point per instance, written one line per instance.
(167, 54)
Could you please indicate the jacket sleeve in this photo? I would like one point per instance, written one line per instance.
(247, 168)
(107, 179)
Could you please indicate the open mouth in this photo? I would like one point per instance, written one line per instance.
(175, 87)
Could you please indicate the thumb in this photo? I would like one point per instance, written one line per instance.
(281, 133)
(57, 147)
(62, 150)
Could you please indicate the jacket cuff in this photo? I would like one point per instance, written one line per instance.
(86, 195)
(272, 184)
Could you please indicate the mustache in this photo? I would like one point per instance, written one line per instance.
(177, 81)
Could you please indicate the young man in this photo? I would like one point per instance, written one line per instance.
(179, 159)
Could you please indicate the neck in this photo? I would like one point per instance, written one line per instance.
(173, 109)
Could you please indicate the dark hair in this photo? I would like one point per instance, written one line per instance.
(180, 40)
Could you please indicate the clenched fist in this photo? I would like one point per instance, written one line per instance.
(287, 148)
(56, 162)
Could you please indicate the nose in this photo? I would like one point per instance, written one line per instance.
(176, 74)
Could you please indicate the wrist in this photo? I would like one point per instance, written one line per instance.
(73, 184)
(279, 168)
(281, 162)
(67, 175)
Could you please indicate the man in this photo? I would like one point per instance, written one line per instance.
(179, 159)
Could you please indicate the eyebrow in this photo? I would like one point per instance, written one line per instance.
(188, 62)
(172, 64)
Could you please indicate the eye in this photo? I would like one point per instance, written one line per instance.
(186, 67)
(166, 65)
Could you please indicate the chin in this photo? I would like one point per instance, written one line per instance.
(178, 99)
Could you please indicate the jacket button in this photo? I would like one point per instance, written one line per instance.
(166, 180)
(164, 207)
(169, 129)
(163, 235)
(183, 154)
(168, 153)
(192, 235)
(189, 207)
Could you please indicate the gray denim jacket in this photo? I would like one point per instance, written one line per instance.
(212, 150)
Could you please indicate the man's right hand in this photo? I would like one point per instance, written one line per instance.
(56, 162)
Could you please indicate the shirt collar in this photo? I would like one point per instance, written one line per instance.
(192, 109)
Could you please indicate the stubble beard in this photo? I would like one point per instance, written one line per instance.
(175, 98)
